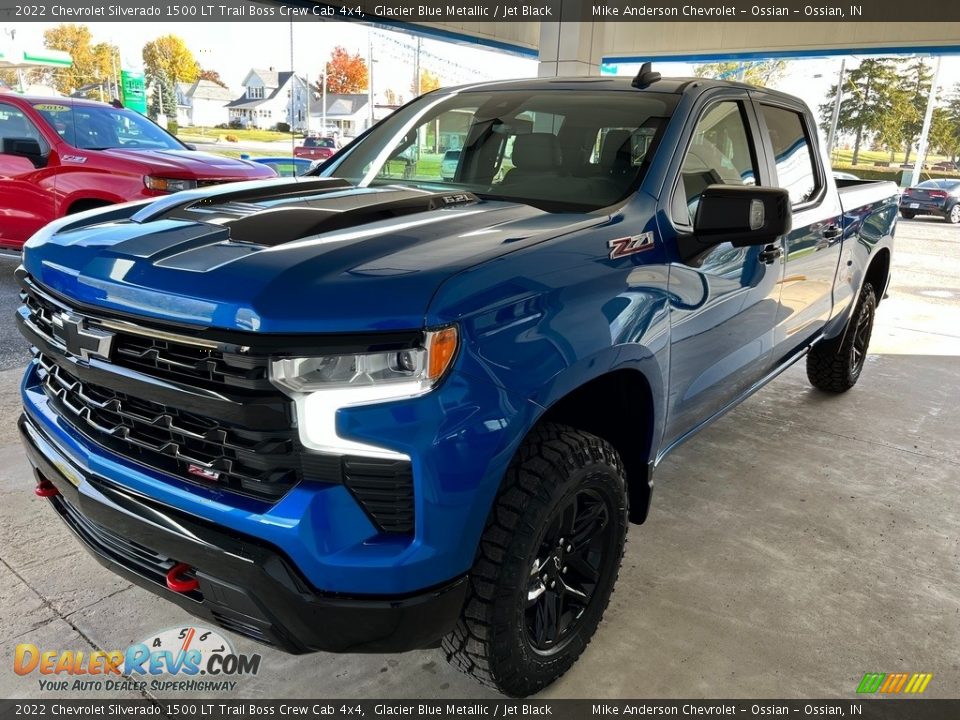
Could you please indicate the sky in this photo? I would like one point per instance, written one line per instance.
(233, 48)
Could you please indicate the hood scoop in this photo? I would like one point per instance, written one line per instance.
(278, 225)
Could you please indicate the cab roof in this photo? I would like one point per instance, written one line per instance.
(670, 85)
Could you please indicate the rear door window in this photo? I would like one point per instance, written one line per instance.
(793, 153)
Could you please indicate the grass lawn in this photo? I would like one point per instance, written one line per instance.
(188, 134)
(868, 157)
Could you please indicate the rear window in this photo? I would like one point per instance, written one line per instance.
(940, 184)
(793, 153)
(451, 155)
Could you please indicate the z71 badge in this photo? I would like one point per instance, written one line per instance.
(621, 247)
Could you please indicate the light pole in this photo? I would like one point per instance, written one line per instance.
(370, 77)
(927, 119)
(836, 110)
(323, 103)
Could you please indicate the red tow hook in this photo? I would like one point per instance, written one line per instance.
(45, 489)
(178, 584)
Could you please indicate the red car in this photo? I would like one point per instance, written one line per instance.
(63, 155)
(316, 148)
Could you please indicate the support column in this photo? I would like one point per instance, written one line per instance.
(566, 49)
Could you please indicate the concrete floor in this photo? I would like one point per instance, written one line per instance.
(794, 545)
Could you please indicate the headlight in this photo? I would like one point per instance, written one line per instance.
(321, 385)
(400, 372)
(171, 185)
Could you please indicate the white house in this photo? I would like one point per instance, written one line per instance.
(202, 103)
(350, 113)
(271, 97)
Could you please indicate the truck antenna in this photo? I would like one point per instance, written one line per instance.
(645, 77)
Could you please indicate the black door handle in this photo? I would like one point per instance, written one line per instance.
(769, 254)
(831, 232)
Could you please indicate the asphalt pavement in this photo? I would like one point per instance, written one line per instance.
(13, 348)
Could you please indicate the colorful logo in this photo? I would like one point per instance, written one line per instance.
(894, 683)
(184, 653)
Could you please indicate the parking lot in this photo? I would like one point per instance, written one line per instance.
(797, 543)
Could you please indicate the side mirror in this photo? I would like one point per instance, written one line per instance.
(25, 147)
(190, 146)
(742, 215)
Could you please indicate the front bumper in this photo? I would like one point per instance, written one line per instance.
(244, 585)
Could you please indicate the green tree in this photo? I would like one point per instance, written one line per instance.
(167, 61)
(91, 61)
(762, 73)
(944, 133)
(916, 78)
(865, 101)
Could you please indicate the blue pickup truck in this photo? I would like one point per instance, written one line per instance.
(377, 409)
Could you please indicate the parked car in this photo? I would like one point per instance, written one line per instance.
(286, 166)
(932, 197)
(448, 165)
(356, 412)
(946, 166)
(62, 155)
(316, 148)
(837, 175)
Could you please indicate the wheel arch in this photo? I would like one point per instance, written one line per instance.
(81, 204)
(878, 273)
(619, 407)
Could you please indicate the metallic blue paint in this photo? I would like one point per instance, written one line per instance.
(541, 308)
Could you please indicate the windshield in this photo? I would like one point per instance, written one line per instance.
(96, 127)
(560, 150)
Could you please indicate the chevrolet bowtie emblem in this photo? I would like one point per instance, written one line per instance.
(82, 341)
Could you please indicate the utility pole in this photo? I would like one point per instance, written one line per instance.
(323, 103)
(925, 132)
(370, 76)
(835, 119)
(416, 70)
(116, 85)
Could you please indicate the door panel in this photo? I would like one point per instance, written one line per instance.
(724, 302)
(27, 197)
(813, 246)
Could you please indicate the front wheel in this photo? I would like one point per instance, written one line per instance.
(548, 559)
(953, 217)
(835, 365)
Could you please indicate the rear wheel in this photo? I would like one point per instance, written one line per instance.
(908, 214)
(835, 365)
(546, 565)
(953, 216)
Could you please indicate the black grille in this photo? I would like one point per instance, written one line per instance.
(239, 436)
(177, 361)
(384, 488)
(261, 464)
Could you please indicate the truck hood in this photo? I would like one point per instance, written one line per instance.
(191, 164)
(289, 256)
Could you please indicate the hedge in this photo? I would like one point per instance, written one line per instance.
(869, 172)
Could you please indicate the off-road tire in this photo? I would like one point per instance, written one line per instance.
(907, 214)
(491, 641)
(835, 365)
